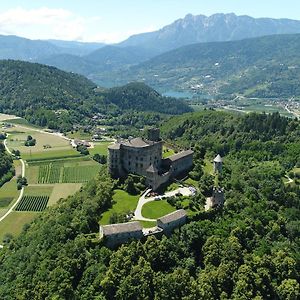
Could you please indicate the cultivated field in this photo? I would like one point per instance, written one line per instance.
(4, 117)
(62, 171)
(32, 203)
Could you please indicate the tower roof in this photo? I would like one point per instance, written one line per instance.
(218, 159)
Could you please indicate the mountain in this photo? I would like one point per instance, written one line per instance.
(105, 59)
(14, 47)
(259, 67)
(50, 97)
(218, 27)
(75, 47)
(140, 97)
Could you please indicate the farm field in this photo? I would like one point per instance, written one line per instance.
(63, 190)
(18, 135)
(60, 171)
(157, 209)
(33, 203)
(100, 148)
(123, 203)
(15, 222)
(5, 117)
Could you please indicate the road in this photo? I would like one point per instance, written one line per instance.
(21, 191)
(185, 191)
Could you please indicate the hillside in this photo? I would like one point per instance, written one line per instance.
(215, 28)
(50, 97)
(14, 47)
(260, 67)
(249, 249)
(140, 97)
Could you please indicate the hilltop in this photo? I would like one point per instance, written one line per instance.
(50, 97)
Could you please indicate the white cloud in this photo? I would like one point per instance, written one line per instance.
(42, 23)
(48, 23)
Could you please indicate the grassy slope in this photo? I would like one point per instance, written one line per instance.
(123, 203)
(157, 209)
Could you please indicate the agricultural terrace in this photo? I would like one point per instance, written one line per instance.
(54, 170)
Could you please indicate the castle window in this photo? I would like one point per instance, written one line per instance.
(136, 164)
(142, 165)
(129, 163)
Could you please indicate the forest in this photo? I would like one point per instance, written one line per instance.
(250, 249)
(52, 98)
(6, 165)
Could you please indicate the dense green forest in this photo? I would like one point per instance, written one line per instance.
(247, 250)
(49, 97)
(6, 165)
(259, 67)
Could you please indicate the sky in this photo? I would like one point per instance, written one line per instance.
(112, 21)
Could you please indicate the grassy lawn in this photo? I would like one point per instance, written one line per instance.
(63, 190)
(167, 152)
(123, 203)
(100, 148)
(148, 224)
(14, 223)
(208, 167)
(157, 209)
(80, 134)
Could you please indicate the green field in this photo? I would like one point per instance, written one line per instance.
(33, 203)
(63, 190)
(62, 171)
(14, 223)
(123, 203)
(148, 224)
(156, 209)
(100, 148)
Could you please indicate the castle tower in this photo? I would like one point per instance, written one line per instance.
(217, 198)
(153, 134)
(218, 162)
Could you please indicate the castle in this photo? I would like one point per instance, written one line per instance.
(144, 157)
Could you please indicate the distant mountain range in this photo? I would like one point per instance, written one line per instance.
(259, 67)
(216, 28)
(228, 58)
(14, 47)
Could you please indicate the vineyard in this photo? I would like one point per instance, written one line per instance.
(49, 173)
(33, 203)
(58, 173)
(80, 174)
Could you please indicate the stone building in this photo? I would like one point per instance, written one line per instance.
(116, 234)
(144, 157)
(217, 198)
(218, 163)
(173, 220)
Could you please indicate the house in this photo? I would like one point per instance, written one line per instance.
(173, 220)
(116, 234)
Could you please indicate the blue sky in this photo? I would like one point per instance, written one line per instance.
(115, 20)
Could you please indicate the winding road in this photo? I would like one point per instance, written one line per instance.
(21, 191)
(185, 191)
